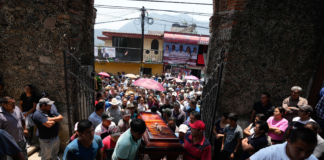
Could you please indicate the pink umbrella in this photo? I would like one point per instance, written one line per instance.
(191, 78)
(104, 74)
(149, 84)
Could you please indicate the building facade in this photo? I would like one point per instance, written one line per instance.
(125, 55)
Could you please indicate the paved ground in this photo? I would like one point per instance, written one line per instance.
(36, 157)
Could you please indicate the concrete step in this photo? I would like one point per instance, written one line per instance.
(34, 147)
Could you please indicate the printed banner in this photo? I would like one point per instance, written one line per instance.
(175, 53)
(96, 51)
(176, 70)
(108, 52)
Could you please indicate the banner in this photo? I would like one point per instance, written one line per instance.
(108, 52)
(175, 53)
(96, 51)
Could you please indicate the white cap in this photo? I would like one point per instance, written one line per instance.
(183, 128)
(174, 93)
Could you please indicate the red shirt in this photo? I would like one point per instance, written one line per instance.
(200, 150)
(108, 143)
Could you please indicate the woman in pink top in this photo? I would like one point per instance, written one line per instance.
(277, 125)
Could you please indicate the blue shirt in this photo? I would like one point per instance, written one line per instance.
(197, 109)
(126, 148)
(95, 119)
(76, 151)
(321, 94)
(40, 118)
(107, 104)
(8, 145)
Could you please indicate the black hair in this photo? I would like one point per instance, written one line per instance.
(30, 86)
(196, 114)
(5, 99)
(44, 94)
(193, 101)
(281, 110)
(110, 96)
(267, 94)
(138, 125)
(233, 116)
(176, 104)
(263, 126)
(304, 134)
(153, 108)
(314, 125)
(190, 89)
(225, 115)
(262, 117)
(172, 119)
(100, 106)
(83, 125)
(99, 95)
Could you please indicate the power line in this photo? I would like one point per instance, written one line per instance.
(122, 7)
(173, 22)
(117, 20)
(174, 2)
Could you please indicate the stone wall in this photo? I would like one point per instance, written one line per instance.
(267, 46)
(32, 42)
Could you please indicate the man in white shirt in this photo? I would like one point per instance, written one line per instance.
(102, 129)
(319, 149)
(300, 146)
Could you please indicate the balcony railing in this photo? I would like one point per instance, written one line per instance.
(124, 54)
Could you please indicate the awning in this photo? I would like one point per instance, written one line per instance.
(176, 37)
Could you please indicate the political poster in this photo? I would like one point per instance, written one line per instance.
(96, 51)
(108, 52)
(175, 53)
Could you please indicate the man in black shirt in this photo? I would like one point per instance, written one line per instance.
(166, 105)
(46, 121)
(162, 76)
(263, 107)
(256, 141)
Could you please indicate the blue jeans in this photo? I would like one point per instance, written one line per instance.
(49, 148)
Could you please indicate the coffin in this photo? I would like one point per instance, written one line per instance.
(157, 144)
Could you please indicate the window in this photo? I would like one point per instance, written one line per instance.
(147, 71)
(127, 42)
(155, 44)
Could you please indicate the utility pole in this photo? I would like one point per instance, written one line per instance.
(142, 47)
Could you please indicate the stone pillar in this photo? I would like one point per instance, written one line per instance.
(32, 44)
(268, 46)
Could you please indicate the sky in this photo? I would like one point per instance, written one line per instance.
(106, 14)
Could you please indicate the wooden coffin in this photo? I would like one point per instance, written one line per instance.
(157, 144)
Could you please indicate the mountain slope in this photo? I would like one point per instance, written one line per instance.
(162, 22)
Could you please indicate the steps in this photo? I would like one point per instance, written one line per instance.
(33, 148)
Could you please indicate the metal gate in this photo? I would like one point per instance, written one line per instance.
(211, 95)
(80, 94)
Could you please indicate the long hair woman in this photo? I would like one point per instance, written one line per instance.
(28, 101)
(277, 125)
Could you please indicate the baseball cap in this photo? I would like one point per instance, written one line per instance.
(167, 110)
(159, 78)
(183, 128)
(306, 108)
(106, 116)
(46, 100)
(114, 131)
(174, 93)
(167, 98)
(130, 105)
(126, 113)
(177, 89)
(198, 125)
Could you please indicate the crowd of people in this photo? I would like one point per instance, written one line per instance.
(114, 131)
